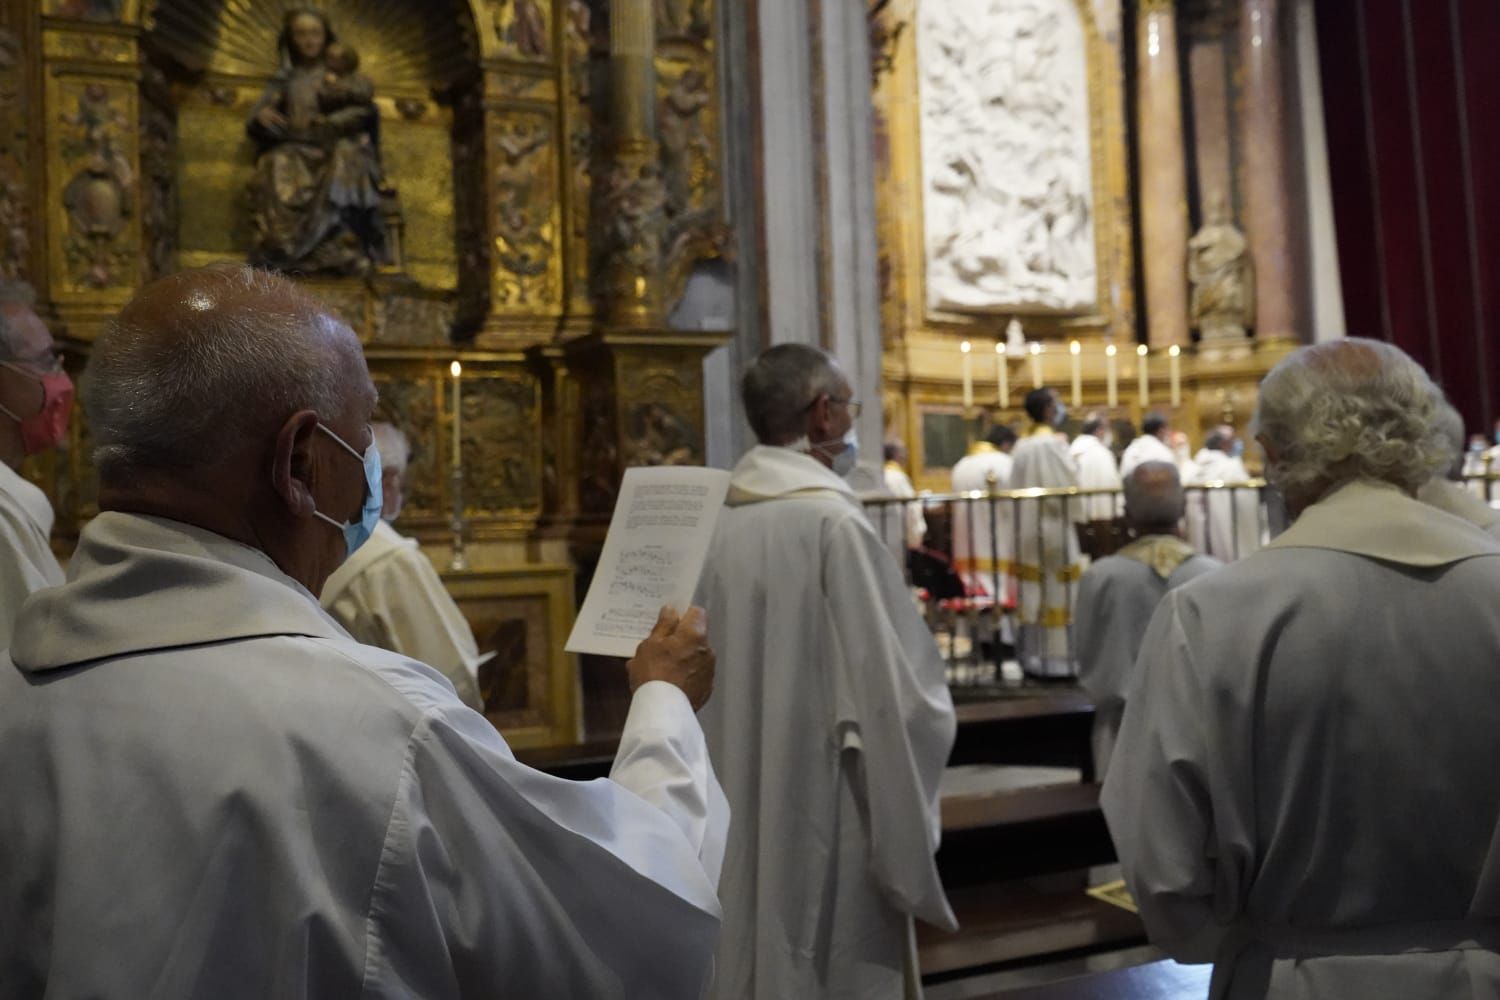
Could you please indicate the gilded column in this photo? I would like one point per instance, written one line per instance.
(1164, 215)
(634, 199)
(1264, 169)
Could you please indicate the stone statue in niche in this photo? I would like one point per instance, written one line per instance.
(684, 141)
(659, 436)
(1006, 155)
(318, 183)
(1223, 304)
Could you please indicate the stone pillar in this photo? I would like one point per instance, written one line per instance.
(633, 202)
(1164, 215)
(1263, 141)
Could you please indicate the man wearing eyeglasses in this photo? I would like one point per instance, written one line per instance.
(36, 397)
(833, 721)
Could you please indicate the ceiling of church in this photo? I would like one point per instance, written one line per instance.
(403, 46)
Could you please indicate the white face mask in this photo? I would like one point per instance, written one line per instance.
(842, 461)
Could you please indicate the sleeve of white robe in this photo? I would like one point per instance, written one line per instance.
(663, 758)
(895, 716)
(404, 600)
(1173, 808)
(532, 885)
(1100, 670)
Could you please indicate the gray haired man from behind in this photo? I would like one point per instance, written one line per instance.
(1301, 791)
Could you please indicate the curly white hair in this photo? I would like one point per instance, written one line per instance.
(1350, 409)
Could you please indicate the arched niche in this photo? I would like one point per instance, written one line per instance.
(207, 64)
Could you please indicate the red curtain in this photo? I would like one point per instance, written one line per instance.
(1409, 92)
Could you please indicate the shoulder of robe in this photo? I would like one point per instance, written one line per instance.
(421, 688)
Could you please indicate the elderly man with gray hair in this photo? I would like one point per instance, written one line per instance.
(36, 398)
(387, 594)
(1300, 791)
(1446, 490)
(213, 791)
(833, 723)
(1118, 594)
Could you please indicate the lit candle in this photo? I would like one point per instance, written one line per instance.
(1140, 353)
(966, 347)
(457, 370)
(1112, 376)
(1074, 348)
(1002, 376)
(1036, 365)
(1174, 363)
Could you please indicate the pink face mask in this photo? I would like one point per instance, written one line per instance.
(45, 429)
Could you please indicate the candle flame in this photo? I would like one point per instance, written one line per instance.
(1174, 350)
(1036, 348)
(1110, 350)
(456, 369)
(1000, 348)
(965, 347)
(1141, 350)
(1074, 347)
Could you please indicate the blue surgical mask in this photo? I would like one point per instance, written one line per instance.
(1237, 449)
(843, 462)
(356, 533)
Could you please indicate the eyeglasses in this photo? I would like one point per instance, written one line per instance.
(853, 405)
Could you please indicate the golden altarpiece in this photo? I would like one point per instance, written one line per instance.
(548, 175)
(1022, 228)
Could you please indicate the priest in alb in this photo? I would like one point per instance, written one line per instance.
(35, 398)
(832, 721)
(215, 792)
(1226, 524)
(1301, 791)
(1048, 560)
(984, 538)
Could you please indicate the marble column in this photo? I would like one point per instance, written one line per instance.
(1163, 169)
(1264, 169)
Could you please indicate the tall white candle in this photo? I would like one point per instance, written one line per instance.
(1075, 349)
(1112, 376)
(1002, 377)
(966, 347)
(457, 371)
(1036, 365)
(1140, 354)
(1174, 367)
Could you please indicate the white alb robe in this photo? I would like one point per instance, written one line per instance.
(1228, 522)
(1049, 561)
(226, 796)
(1116, 599)
(1096, 470)
(1455, 499)
(1301, 791)
(387, 594)
(913, 521)
(26, 560)
(1145, 448)
(830, 727)
(984, 541)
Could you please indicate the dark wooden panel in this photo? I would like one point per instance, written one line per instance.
(1155, 981)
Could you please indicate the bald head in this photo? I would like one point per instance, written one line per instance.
(204, 363)
(1154, 501)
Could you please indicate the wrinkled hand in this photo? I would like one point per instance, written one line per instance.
(677, 652)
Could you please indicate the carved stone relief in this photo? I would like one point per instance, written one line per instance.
(683, 18)
(411, 403)
(662, 410)
(1006, 155)
(523, 29)
(599, 456)
(413, 320)
(159, 174)
(584, 62)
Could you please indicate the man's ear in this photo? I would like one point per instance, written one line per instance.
(819, 419)
(292, 463)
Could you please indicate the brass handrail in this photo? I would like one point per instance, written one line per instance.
(1043, 492)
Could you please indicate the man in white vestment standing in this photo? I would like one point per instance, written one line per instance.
(1446, 490)
(833, 722)
(1227, 522)
(1150, 445)
(1118, 594)
(898, 484)
(984, 541)
(36, 397)
(1301, 793)
(1097, 468)
(1048, 563)
(226, 796)
(387, 594)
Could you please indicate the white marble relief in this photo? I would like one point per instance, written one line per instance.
(1008, 194)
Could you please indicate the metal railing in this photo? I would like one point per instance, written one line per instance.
(997, 572)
